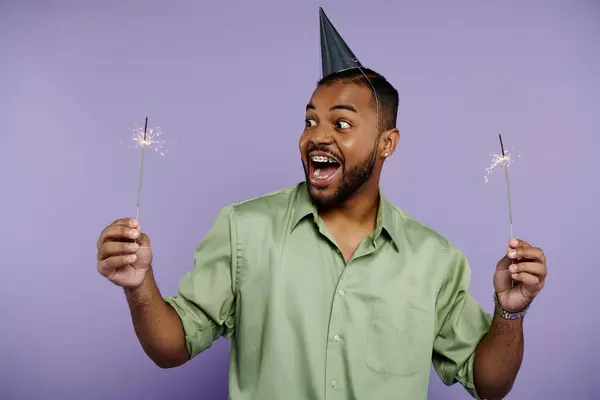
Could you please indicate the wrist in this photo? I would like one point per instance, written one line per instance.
(142, 292)
(509, 315)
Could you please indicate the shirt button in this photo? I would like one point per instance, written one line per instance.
(341, 292)
(333, 383)
(336, 338)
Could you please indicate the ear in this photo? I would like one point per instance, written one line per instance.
(388, 142)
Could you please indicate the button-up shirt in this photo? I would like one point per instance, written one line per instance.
(306, 324)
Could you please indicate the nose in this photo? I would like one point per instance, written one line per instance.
(321, 135)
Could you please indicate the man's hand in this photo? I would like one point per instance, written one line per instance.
(525, 266)
(124, 254)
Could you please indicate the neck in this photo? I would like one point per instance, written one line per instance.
(358, 210)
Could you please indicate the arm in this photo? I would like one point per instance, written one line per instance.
(128, 264)
(498, 358)
(482, 352)
(174, 329)
(519, 278)
(206, 300)
(157, 325)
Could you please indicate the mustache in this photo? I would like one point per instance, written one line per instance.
(324, 149)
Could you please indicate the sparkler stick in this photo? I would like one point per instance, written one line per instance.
(507, 187)
(139, 191)
(505, 160)
(146, 138)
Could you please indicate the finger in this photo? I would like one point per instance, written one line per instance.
(108, 266)
(529, 253)
(536, 269)
(118, 232)
(130, 222)
(109, 249)
(514, 243)
(526, 279)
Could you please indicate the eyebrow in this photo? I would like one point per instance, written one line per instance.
(311, 106)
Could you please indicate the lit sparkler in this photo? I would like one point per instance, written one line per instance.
(146, 139)
(504, 160)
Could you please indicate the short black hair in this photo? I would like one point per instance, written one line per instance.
(385, 93)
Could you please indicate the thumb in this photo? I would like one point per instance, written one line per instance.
(504, 263)
(143, 240)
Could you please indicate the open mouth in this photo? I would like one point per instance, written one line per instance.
(323, 168)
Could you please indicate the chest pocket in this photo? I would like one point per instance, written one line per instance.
(399, 340)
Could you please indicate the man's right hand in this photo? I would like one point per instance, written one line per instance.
(124, 253)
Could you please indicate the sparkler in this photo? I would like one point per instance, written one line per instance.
(146, 139)
(504, 160)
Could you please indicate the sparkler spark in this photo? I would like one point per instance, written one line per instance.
(499, 161)
(148, 138)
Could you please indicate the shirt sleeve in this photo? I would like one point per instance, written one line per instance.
(463, 325)
(205, 300)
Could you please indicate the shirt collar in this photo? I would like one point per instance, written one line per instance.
(303, 207)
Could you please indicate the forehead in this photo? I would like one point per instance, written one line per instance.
(338, 93)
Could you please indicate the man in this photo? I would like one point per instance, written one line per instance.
(325, 289)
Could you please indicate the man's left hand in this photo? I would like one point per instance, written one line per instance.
(524, 265)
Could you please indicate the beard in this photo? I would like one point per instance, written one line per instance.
(350, 182)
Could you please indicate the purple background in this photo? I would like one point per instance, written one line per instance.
(228, 84)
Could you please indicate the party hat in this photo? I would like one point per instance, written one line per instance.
(336, 56)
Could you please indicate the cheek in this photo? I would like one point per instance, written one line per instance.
(349, 141)
(303, 142)
(355, 148)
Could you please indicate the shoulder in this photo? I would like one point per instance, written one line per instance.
(267, 207)
(416, 230)
(444, 260)
(266, 203)
(421, 237)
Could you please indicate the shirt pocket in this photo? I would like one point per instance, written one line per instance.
(398, 339)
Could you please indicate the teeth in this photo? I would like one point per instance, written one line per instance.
(322, 159)
(317, 176)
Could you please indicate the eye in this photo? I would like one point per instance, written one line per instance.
(309, 122)
(342, 125)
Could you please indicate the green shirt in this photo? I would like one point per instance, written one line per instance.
(304, 324)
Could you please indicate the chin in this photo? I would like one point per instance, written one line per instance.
(323, 196)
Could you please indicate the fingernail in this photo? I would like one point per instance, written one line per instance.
(514, 276)
(132, 223)
(130, 258)
(134, 246)
(133, 233)
(514, 242)
(513, 268)
(512, 253)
